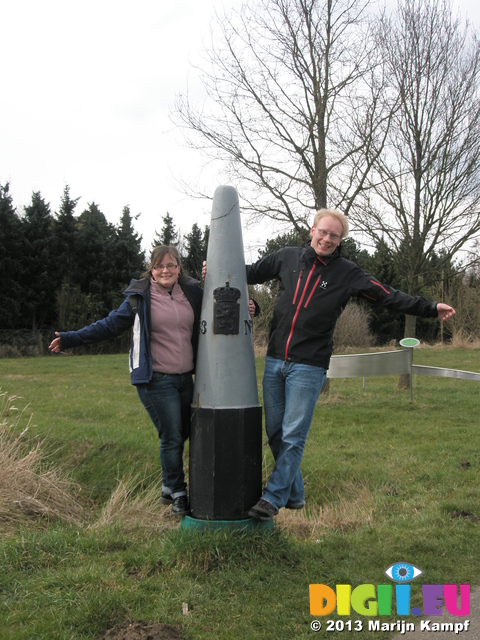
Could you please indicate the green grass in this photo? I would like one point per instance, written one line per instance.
(387, 480)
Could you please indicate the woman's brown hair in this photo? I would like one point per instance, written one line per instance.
(158, 255)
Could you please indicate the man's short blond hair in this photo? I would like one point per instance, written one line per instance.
(333, 213)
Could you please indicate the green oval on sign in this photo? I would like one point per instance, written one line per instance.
(409, 342)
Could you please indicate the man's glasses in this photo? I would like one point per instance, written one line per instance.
(170, 266)
(323, 234)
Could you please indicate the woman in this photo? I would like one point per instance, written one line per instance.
(164, 309)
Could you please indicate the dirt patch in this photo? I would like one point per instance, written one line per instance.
(143, 630)
(461, 513)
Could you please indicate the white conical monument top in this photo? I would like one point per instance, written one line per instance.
(225, 372)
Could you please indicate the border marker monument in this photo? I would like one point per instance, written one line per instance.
(226, 435)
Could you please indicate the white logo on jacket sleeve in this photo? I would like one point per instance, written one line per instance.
(135, 352)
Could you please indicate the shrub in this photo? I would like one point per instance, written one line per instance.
(352, 330)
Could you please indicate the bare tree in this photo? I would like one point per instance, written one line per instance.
(293, 105)
(313, 103)
(423, 194)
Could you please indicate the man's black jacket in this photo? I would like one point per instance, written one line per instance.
(313, 293)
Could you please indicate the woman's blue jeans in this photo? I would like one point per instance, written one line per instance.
(290, 392)
(167, 399)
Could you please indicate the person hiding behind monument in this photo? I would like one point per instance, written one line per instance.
(315, 285)
(163, 307)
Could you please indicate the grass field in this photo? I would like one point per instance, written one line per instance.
(387, 480)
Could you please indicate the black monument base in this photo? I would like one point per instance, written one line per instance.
(225, 462)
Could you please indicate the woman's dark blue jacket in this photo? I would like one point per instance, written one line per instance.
(127, 316)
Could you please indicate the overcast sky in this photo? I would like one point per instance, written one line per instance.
(86, 91)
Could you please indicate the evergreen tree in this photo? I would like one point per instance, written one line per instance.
(385, 325)
(168, 235)
(295, 238)
(64, 230)
(94, 262)
(129, 258)
(351, 251)
(38, 264)
(206, 237)
(11, 252)
(196, 251)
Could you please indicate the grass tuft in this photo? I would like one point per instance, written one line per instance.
(133, 505)
(353, 509)
(29, 490)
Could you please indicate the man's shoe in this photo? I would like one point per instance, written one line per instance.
(166, 498)
(295, 504)
(263, 510)
(180, 506)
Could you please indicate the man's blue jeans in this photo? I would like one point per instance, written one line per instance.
(167, 399)
(290, 392)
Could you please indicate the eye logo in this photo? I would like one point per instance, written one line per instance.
(402, 572)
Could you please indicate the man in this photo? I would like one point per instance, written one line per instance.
(315, 285)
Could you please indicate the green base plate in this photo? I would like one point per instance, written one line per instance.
(188, 523)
